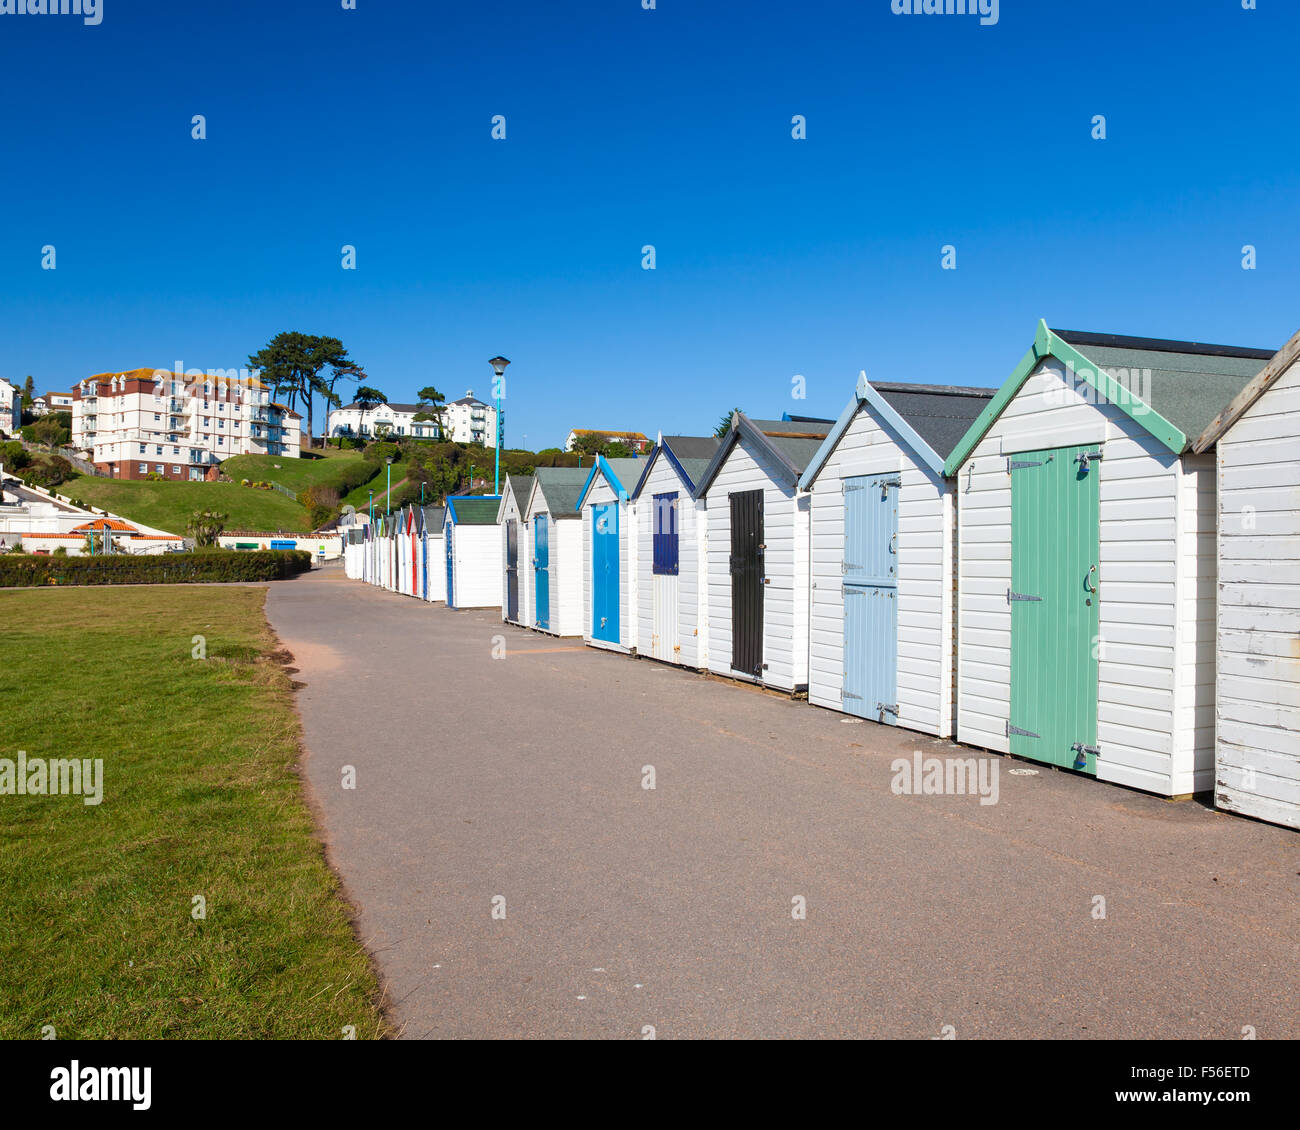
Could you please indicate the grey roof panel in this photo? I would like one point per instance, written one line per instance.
(939, 414)
(692, 447)
(561, 486)
(1187, 389)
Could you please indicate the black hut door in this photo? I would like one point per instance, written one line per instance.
(747, 582)
(512, 570)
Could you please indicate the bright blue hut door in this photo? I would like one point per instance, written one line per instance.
(604, 572)
(542, 568)
(870, 569)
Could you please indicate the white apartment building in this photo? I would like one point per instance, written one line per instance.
(467, 420)
(156, 421)
(11, 407)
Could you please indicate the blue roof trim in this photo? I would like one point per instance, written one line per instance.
(605, 469)
(663, 448)
(865, 394)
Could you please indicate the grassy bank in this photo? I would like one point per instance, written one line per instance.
(169, 506)
(200, 798)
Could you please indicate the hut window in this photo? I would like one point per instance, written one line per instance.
(665, 534)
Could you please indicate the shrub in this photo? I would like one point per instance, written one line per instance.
(167, 568)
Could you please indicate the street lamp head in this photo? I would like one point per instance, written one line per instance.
(498, 365)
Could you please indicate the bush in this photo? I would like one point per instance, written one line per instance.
(14, 455)
(357, 474)
(50, 472)
(167, 568)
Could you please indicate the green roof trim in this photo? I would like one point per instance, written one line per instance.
(1047, 344)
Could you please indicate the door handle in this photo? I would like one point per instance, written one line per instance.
(1087, 587)
(893, 543)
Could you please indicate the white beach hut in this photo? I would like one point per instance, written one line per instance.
(672, 620)
(883, 555)
(473, 551)
(516, 564)
(608, 551)
(433, 553)
(1257, 704)
(554, 550)
(1086, 571)
(757, 550)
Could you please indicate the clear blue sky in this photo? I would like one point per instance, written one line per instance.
(626, 127)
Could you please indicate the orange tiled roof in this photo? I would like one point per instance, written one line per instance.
(101, 524)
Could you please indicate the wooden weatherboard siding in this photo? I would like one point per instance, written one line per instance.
(1155, 686)
(925, 569)
(664, 479)
(1258, 702)
(784, 616)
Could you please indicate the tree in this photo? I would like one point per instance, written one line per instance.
(293, 363)
(366, 399)
(431, 406)
(53, 429)
(591, 443)
(205, 526)
(29, 391)
(724, 425)
(616, 450)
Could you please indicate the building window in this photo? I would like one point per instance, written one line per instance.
(176, 470)
(176, 450)
(142, 449)
(160, 468)
(221, 441)
(144, 468)
(664, 526)
(157, 450)
(157, 416)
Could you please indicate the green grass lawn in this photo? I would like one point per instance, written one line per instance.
(168, 506)
(296, 474)
(200, 797)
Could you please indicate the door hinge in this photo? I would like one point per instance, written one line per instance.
(845, 566)
(851, 590)
(858, 486)
(1020, 596)
(850, 694)
(1018, 464)
(1018, 732)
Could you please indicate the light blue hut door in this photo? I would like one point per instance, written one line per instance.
(542, 568)
(870, 569)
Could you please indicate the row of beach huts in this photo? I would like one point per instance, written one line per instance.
(1095, 566)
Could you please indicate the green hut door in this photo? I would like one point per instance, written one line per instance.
(1055, 546)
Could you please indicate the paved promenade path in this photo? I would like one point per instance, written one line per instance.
(521, 777)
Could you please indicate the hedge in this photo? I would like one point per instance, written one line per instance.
(25, 570)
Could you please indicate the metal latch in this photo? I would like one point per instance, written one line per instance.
(886, 708)
(1018, 732)
(1020, 596)
(1080, 748)
(1085, 458)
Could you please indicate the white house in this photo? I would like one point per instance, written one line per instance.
(433, 552)
(1257, 668)
(609, 553)
(467, 420)
(1086, 570)
(516, 576)
(635, 442)
(672, 620)
(758, 544)
(473, 551)
(883, 555)
(553, 552)
(49, 402)
(11, 407)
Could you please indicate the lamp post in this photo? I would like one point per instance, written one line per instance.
(499, 367)
(372, 509)
(388, 494)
